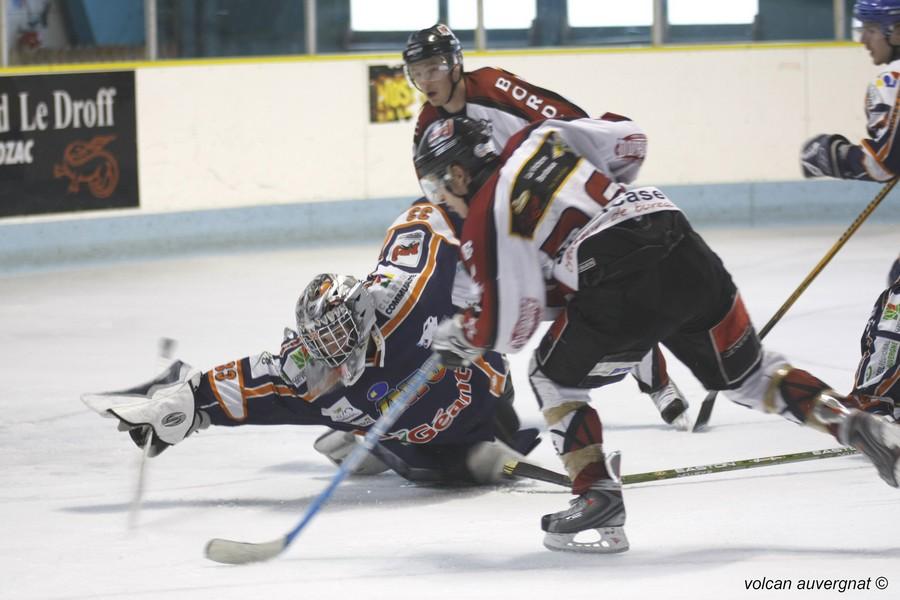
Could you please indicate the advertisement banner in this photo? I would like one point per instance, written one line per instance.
(67, 143)
(391, 97)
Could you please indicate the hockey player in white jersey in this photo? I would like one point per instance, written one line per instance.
(553, 210)
(877, 156)
(356, 344)
(434, 64)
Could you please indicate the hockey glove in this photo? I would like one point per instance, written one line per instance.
(451, 343)
(828, 155)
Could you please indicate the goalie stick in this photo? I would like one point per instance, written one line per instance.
(706, 407)
(526, 470)
(238, 553)
(165, 351)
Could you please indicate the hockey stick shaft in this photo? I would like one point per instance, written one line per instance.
(530, 471)
(707, 406)
(233, 552)
(165, 350)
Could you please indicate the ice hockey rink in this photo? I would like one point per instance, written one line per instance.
(67, 476)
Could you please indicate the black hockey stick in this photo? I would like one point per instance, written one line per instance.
(709, 402)
(530, 471)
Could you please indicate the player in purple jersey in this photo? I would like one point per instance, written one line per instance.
(877, 156)
(356, 344)
(434, 64)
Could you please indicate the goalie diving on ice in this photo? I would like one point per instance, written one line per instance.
(355, 345)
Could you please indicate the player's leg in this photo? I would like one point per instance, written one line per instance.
(724, 353)
(615, 318)
(653, 379)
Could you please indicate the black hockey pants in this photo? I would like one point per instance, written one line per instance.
(653, 280)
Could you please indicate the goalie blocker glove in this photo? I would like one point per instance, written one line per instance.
(451, 344)
(831, 155)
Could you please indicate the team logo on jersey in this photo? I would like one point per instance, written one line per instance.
(443, 418)
(538, 181)
(393, 295)
(406, 251)
(440, 133)
(377, 391)
(891, 313)
(633, 146)
(364, 421)
(520, 202)
(529, 318)
(887, 80)
(342, 411)
(385, 401)
(428, 328)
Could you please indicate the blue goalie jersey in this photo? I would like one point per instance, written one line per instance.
(412, 285)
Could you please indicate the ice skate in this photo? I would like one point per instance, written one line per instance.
(878, 439)
(596, 518)
(672, 406)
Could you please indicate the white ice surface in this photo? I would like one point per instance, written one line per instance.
(67, 476)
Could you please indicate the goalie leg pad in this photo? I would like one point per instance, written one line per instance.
(336, 445)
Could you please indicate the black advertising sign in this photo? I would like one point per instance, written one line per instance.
(391, 98)
(67, 143)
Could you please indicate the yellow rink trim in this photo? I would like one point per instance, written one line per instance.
(395, 57)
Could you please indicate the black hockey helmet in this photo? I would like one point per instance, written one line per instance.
(457, 140)
(437, 40)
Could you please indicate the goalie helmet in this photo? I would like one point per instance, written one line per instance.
(335, 317)
(454, 141)
(884, 12)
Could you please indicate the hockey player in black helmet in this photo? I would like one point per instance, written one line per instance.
(434, 64)
(432, 55)
(554, 212)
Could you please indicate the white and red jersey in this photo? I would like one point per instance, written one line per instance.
(508, 102)
(557, 182)
(881, 150)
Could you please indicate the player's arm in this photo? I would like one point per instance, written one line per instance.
(259, 389)
(876, 157)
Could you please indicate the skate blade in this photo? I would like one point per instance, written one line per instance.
(612, 540)
(683, 422)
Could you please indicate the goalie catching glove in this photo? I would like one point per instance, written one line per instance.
(451, 344)
(831, 155)
(163, 406)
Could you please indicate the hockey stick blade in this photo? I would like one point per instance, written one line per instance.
(705, 412)
(530, 471)
(239, 553)
(230, 552)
